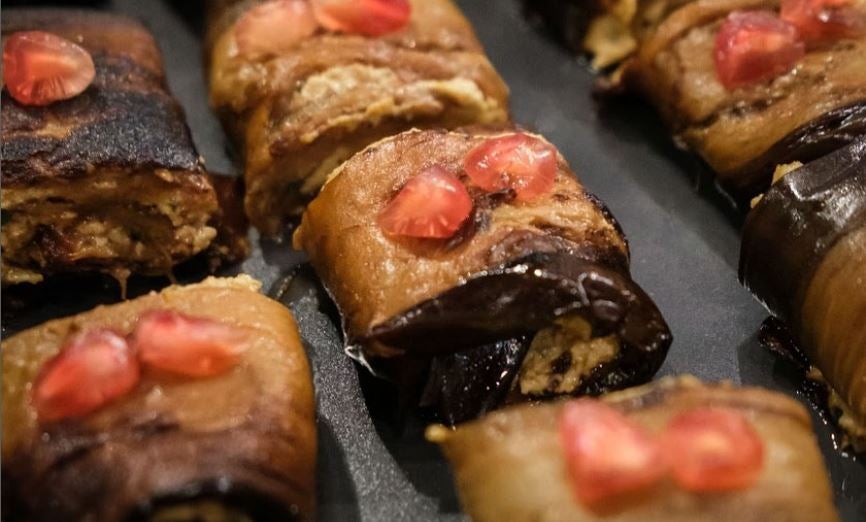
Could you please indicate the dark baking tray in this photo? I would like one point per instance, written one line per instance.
(373, 464)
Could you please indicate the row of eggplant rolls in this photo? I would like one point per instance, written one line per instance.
(756, 113)
(470, 266)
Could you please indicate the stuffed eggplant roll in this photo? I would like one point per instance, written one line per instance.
(301, 85)
(99, 169)
(747, 84)
(193, 404)
(476, 262)
(676, 450)
(804, 255)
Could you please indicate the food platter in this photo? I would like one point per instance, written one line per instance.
(683, 235)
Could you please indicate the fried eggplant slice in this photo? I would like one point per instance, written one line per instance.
(511, 464)
(666, 52)
(528, 299)
(240, 445)
(803, 254)
(296, 115)
(109, 180)
(231, 244)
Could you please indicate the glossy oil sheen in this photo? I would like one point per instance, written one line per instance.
(822, 21)
(366, 17)
(753, 47)
(274, 27)
(684, 241)
(40, 68)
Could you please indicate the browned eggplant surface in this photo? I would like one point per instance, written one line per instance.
(666, 50)
(106, 181)
(297, 115)
(527, 300)
(804, 255)
(240, 445)
(510, 465)
(684, 254)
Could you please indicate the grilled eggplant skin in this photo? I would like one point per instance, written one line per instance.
(732, 130)
(804, 255)
(743, 134)
(244, 440)
(118, 157)
(513, 302)
(510, 464)
(298, 115)
(383, 276)
(524, 296)
(126, 119)
(472, 303)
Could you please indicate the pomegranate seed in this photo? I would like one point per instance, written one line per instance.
(433, 204)
(519, 162)
(714, 449)
(41, 68)
(607, 454)
(274, 27)
(825, 20)
(755, 46)
(367, 17)
(192, 346)
(92, 369)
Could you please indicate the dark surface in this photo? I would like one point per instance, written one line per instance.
(489, 320)
(125, 119)
(813, 140)
(684, 241)
(797, 222)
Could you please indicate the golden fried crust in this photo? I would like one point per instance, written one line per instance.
(373, 276)
(125, 120)
(510, 465)
(736, 131)
(247, 436)
(298, 115)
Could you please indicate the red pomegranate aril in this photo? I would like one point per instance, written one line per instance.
(755, 46)
(519, 162)
(92, 369)
(607, 454)
(40, 68)
(274, 27)
(826, 20)
(433, 204)
(713, 449)
(367, 17)
(177, 343)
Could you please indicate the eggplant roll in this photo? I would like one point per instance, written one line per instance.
(742, 134)
(240, 445)
(511, 465)
(804, 255)
(299, 114)
(109, 180)
(527, 300)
